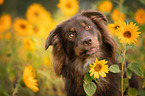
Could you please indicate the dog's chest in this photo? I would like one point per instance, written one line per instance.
(82, 65)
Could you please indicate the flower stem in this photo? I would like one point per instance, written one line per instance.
(121, 3)
(122, 70)
(15, 89)
(123, 62)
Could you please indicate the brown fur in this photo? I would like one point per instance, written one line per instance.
(72, 55)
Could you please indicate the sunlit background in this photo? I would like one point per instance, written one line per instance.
(25, 25)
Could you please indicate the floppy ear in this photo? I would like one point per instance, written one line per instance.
(52, 38)
(94, 14)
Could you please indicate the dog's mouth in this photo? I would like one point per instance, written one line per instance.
(88, 52)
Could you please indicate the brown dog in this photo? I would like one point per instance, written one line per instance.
(76, 43)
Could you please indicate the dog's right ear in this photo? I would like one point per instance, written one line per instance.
(94, 15)
(53, 37)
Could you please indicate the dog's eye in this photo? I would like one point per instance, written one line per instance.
(71, 35)
(88, 27)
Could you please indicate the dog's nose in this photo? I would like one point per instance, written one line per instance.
(87, 41)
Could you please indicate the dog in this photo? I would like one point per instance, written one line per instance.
(77, 42)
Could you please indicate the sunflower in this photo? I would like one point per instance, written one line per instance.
(117, 15)
(47, 61)
(5, 22)
(140, 16)
(38, 30)
(29, 44)
(29, 80)
(46, 19)
(22, 27)
(98, 68)
(114, 28)
(128, 33)
(68, 7)
(36, 13)
(105, 6)
(1, 2)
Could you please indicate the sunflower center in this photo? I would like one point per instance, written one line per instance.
(97, 67)
(36, 14)
(116, 27)
(23, 26)
(36, 29)
(68, 5)
(141, 15)
(127, 34)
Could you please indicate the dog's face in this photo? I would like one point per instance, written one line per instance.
(82, 36)
(79, 35)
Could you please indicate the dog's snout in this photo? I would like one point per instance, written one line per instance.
(87, 41)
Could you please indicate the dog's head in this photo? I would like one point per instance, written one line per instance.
(82, 36)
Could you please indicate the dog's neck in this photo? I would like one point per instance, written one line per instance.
(82, 64)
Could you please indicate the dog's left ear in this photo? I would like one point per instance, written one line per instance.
(94, 15)
(52, 38)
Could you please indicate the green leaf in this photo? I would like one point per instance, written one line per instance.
(128, 47)
(114, 69)
(90, 88)
(136, 69)
(126, 56)
(132, 92)
(87, 78)
(118, 51)
(129, 74)
(125, 84)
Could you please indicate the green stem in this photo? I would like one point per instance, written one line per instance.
(16, 89)
(123, 62)
(122, 70)
(121, 3)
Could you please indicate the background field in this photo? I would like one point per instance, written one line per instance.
(22, 40)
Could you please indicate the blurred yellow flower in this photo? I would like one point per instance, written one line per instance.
(38, 30)
(68, 7)
(5, 22)
(34, 12)
(29, 78)
(128, 33)
(42, 31)
(114, 28)
(47, 61)
(140, 16)
(46, 19)
(105, 6)
(8, 36)
(98, 68)
(29, 44)
(117, 15)
(37, 14)
(22, 27)
(1, 2)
